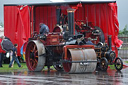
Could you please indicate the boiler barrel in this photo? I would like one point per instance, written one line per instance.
(81, 61)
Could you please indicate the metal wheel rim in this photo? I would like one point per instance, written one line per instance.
(118, 63)
(34, 55)
(104, 64)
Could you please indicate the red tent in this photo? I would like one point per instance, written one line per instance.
(21, 20)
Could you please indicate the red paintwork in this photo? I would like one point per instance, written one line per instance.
(53, 39)
(19, 24)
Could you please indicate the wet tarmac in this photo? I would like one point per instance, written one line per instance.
(111, 77)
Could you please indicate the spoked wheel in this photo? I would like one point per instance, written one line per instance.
(118, 63)
(34, 55)
(103, 64)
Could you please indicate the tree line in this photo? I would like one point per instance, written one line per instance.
(124, 31)
(1, 24)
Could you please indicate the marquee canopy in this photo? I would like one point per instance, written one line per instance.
(20, 21)
(53, 2)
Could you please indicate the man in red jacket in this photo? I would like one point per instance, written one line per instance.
(1, 51)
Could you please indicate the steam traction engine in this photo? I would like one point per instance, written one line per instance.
(66, 48)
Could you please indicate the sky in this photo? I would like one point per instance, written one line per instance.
(122, 10)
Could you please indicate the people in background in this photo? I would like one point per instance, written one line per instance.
(1, 51)
(11, 56)
(8, 47)
(15, 57)
(43, 29)
(89, 42)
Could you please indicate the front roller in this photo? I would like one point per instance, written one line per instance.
(35, 59)
(118, 63)
(80, 60)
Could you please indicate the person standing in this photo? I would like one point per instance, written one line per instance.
(15, 57)
(1, 51)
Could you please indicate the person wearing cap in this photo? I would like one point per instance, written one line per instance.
(1, 51)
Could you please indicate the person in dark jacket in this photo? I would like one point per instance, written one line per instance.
(43, 29)
(15, 57)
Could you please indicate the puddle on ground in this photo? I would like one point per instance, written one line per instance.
(111, 77)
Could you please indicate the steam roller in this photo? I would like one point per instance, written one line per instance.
(80, 61)
(65, 50)
(74, 59)
(78, 48)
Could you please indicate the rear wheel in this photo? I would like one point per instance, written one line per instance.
(103, 64)
(118, 63)
(35, 59)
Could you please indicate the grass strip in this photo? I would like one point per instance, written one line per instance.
(15, 67)
(126, 61)
(6, 68)
(112, 67)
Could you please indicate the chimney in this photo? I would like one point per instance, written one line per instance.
(58, 14)
(71, 24)
(109, 42)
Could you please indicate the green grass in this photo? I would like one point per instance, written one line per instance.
(112, 67)
(15, 67)
(126, 61)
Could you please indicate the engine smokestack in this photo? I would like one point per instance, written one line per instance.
(58, 14)
(109, 42)
(71, 21)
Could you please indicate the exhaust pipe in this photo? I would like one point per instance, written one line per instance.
(71, 22)
(58, 14)
(110, 55)
(109, 42)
